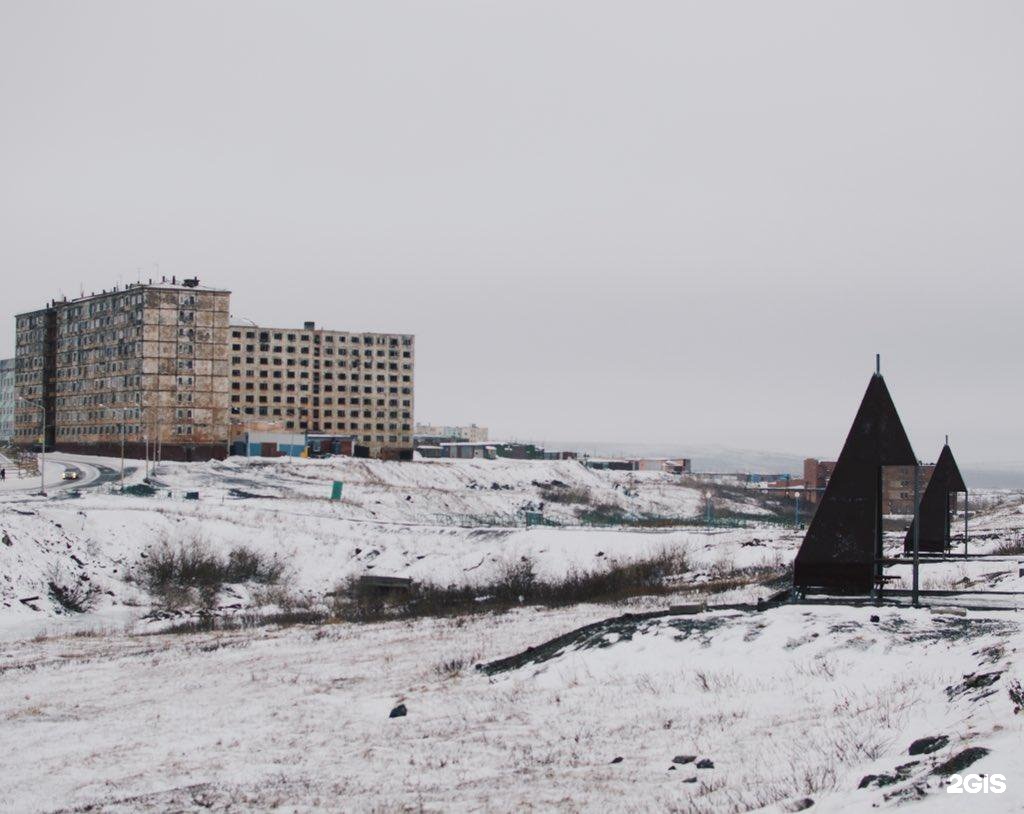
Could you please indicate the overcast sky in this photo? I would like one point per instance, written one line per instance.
(679, 222)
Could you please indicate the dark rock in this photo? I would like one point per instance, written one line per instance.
(959, 762)
(617, 759)
(671, 768)
(974, 681)
(399, 712)
(684, 759)
(900, 773)
(800, 805)
(876, 619)
(690, 780)
(705, 763)
(925, 746)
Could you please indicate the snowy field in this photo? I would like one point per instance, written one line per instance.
(733, 709)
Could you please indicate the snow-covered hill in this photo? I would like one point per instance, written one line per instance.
(629, 706)
(452, 522)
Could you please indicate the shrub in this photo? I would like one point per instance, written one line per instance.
(561, 493)
(246, 565)
(1010, 548)
(73, 595)
(190, 572)
(516, 583)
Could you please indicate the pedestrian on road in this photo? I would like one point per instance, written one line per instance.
(3, 473)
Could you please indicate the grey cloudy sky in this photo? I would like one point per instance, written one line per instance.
(685, 222)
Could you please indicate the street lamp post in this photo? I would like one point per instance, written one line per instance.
(122, 409)
(42, 464)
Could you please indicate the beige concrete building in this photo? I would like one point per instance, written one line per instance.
(471, 432)
(321, 381)
(6, 400)
(148, 360)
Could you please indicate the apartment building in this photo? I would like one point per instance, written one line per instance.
(7, 399)
(897, 484)
(146, 362)
(898, 487)
(315, 380)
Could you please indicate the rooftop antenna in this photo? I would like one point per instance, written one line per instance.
(947, 439)
(878, 364)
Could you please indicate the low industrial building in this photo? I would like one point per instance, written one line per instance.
(452, 432)
(261, 444)
(322, 445)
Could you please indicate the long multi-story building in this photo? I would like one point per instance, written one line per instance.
(323, 381)
(7, 399)
(147, 363)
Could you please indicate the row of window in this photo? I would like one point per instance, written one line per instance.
(130, 431)
(392, 353)
(330, 338)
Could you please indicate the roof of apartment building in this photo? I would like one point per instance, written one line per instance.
(185, 284)
(310, 326)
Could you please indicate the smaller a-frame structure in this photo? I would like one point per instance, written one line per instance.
(935, 508)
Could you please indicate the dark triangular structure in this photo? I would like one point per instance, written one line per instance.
(843, 544)
(946, 480)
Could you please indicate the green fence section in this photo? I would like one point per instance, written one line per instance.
(603, 519)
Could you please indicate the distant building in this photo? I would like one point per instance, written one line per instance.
(146, 361)
(673, 466)
(897, 484)
(816, 475)
(679, 466)
(898, 487)
(320, 445)
(452, 432)
(327, 382)
(7, 398)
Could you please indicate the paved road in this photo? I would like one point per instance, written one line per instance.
(93, 475)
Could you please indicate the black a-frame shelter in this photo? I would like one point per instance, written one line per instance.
(842, 549)
(934, 511)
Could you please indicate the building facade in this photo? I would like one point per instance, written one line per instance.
(471, 433)
(7, 399)
(147, 363)
(898, 487)
(326, 382)
(897, 484)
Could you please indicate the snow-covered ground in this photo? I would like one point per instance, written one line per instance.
(434, 522)
(789, 703)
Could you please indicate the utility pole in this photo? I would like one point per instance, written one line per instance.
(122, 410)
(42, 455)
(123, 429)
(917, 533)
(966, 497)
